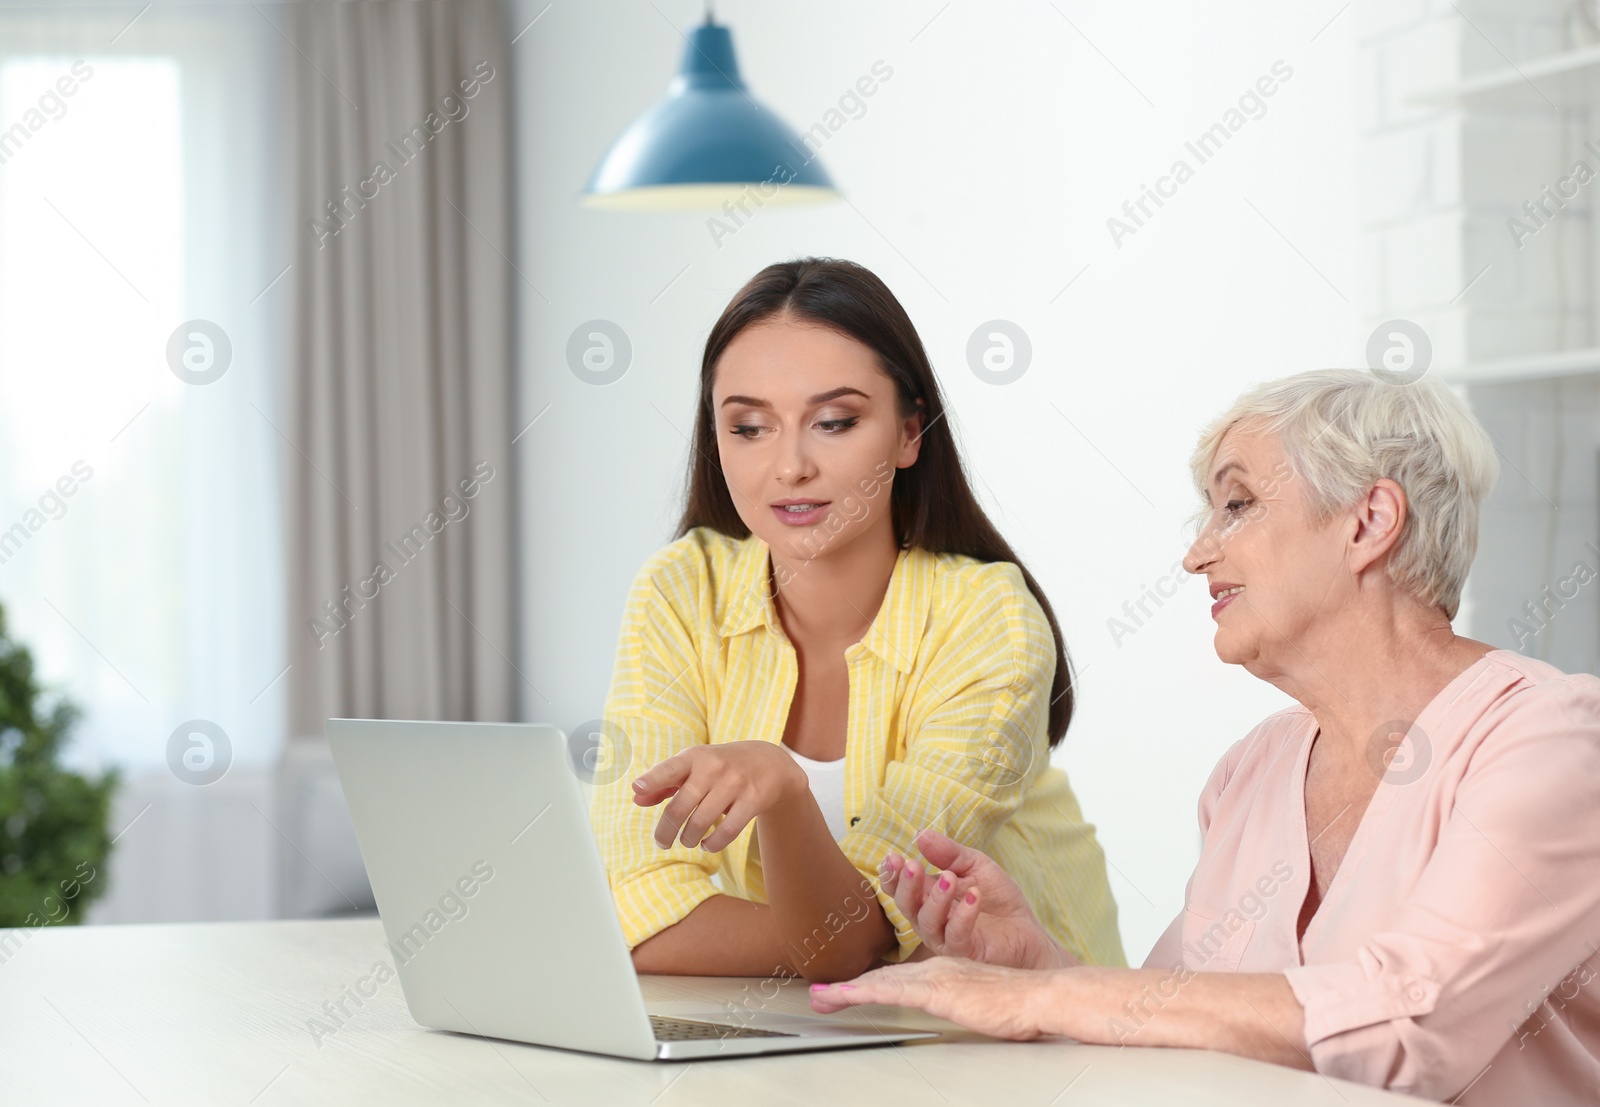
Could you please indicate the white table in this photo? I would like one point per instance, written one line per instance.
(217, 1014)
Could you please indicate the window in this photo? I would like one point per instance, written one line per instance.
(139, 529)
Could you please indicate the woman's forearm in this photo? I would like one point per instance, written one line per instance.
(822, 920)
(1250, 1014)
(722, 936)
(826, 912)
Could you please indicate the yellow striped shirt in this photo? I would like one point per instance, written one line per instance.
(947, 728)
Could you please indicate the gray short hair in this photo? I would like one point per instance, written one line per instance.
(1344, 429)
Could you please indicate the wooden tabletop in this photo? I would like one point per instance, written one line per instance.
(234, 1013)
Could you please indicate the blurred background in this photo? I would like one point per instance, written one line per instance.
(323, 391)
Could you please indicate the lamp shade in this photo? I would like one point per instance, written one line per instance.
(708, 142)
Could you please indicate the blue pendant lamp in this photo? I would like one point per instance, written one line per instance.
(706, 144)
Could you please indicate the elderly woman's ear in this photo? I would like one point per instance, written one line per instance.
(1380, 517)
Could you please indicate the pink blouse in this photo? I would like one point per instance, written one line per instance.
(1458, 946)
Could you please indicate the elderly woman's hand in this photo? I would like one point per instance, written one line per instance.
(999, 1002)
(972, 910)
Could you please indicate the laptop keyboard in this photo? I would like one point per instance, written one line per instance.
(689, 1030)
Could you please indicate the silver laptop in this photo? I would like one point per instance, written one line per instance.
(497, 910)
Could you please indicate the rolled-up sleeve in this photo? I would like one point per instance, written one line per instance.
(977, 735)
(1506, 907)
(657, 702)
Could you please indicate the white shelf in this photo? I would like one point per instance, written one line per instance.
(1528, 367)
(1554, 75)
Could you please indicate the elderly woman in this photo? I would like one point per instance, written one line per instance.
(1399, 881)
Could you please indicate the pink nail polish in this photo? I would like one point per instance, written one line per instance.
(944, 884)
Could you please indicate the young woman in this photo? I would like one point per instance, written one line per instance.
(838, 651)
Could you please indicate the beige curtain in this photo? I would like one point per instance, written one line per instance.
(398, 482)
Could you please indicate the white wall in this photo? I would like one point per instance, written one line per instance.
(980, 180)
(1447, 177)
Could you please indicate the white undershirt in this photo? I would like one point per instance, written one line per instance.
(827, 785)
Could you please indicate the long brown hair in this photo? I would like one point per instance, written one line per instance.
(931, 505)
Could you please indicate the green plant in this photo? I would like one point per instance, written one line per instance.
(53, 835)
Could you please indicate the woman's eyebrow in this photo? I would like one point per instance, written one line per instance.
(1216, 478)
(819, 398)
